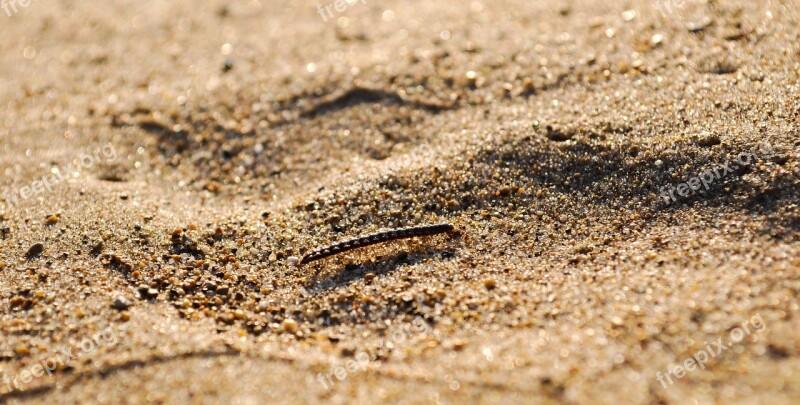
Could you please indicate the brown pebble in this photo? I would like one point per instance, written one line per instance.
(456, 344)
(709, 141)
(213, 187)
(490, 283)
(34, 251)
(289, 325)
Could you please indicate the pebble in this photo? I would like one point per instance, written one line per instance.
(146, 292)
(289, 326)
(96, 249)
(22, 350)
(121, 303)
(709, 140)
(34, 251)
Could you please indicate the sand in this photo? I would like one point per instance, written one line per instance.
(623, 180)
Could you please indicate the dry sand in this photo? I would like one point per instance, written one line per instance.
(240, 135)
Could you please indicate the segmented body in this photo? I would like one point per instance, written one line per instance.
(374, 239)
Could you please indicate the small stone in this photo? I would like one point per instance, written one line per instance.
(504, 192)
(289, 325)
(22, 350)
(52, 220)
(490, 283)
(293, 260)
(456, 344)
(121, 303)
(35, 251)
(557, 135)
(125, 316)
(20, 302)
(273, 258)
(228, 65)
(97, 249)
(146, 292)
(369, 277)
(709, 140)
(213, 187)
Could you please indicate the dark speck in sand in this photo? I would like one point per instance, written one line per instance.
(35, 251)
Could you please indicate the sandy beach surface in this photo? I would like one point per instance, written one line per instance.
(622, 177)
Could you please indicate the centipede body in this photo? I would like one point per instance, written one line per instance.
(375, 238)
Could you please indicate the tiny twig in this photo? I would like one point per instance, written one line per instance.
(374, 239)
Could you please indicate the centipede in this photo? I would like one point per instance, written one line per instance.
(375, 238)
